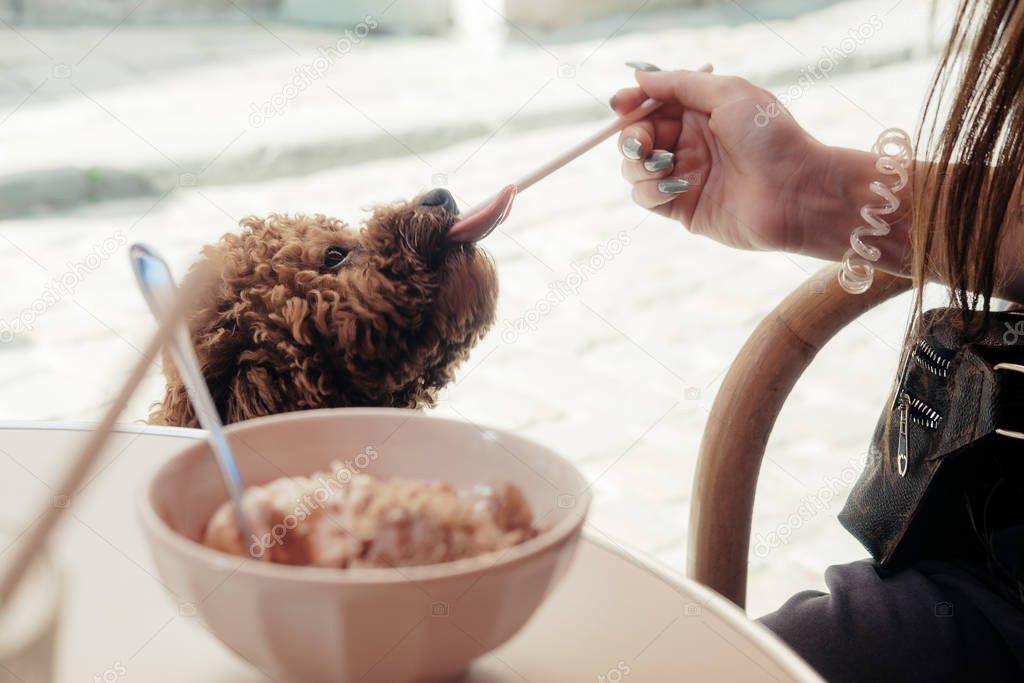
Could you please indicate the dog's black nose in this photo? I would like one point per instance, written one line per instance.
(440, 197)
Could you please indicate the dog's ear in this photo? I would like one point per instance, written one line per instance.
(175, 410)
(252, 392)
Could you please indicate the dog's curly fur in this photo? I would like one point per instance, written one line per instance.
(307, 313)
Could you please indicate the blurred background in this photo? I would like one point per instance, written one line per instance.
(166, 121)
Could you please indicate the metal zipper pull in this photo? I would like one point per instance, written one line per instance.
(903, 448)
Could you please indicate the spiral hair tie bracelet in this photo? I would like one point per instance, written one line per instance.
(895, 154)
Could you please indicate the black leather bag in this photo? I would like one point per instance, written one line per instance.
(944, 476)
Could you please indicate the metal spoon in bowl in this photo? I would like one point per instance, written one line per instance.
(157, 285)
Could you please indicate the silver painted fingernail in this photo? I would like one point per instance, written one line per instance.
(659, 161)
(673, 186)
(611, 102)
(642, 66)
(631, 149)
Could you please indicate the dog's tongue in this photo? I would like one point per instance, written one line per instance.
(481, 222)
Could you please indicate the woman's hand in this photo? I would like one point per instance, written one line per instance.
(724, 158)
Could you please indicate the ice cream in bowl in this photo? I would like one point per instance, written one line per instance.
(391, 545)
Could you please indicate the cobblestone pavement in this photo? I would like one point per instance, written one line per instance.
(630, 321)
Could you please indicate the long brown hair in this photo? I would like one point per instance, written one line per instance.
(972, 140)
(971, 146)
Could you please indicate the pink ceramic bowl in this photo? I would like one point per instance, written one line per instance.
(397, 625)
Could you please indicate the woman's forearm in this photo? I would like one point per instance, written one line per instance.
(827, 208)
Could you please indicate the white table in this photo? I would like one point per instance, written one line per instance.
(613, 618)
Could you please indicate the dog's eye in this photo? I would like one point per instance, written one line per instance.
(334, 257)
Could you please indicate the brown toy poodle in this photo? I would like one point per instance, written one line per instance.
(308, 313)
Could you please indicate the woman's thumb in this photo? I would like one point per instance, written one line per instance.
(699, 90)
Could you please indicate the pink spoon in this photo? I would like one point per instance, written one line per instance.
(483, 219)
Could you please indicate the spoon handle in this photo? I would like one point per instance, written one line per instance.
(32, 543)
(157, 285)
(576, 151)
(584, 146)
(646, 108)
